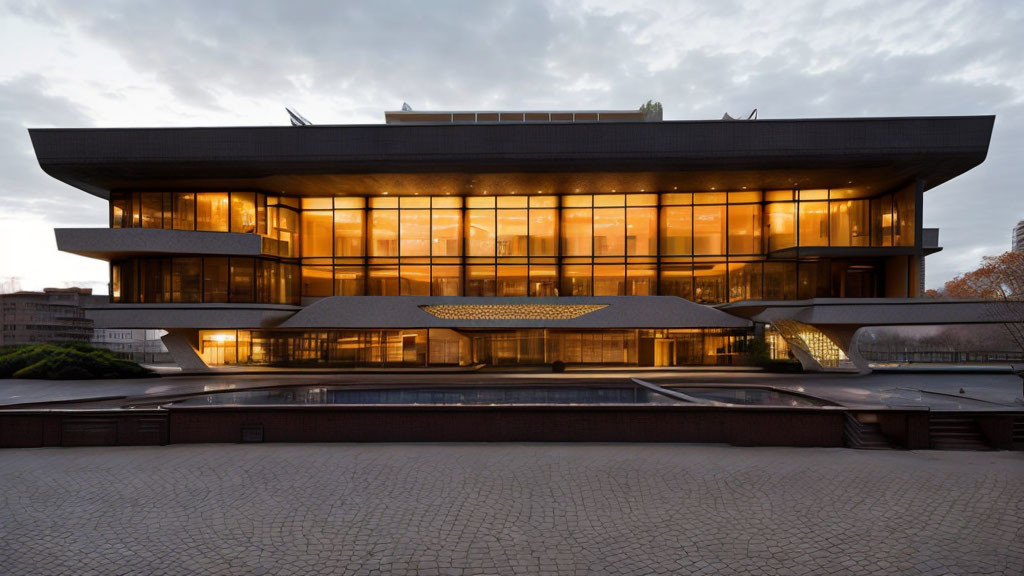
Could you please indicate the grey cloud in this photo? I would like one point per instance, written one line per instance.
(24, 188)
(700, 59)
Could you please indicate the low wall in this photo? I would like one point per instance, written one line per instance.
(744, 426)
(741, 427)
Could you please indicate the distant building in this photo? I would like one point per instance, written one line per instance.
(1018, 237)
(53, 315)
(138, 345)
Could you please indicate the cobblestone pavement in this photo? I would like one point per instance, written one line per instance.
(508, 509)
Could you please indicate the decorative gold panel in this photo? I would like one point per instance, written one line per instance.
(511, 311)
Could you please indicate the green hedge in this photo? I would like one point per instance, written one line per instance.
(66, 362)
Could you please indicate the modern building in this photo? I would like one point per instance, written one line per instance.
(1018, 237)
(464, 238)
(138, 345)
(53, 315)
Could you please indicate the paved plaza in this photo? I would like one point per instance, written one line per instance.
(509, 509)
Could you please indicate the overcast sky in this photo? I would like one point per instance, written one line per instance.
(219, 63)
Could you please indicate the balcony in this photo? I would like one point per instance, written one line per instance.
(116, 243)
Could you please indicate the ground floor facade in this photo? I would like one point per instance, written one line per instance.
(437, 347)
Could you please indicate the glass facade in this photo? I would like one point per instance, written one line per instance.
(709, 247)
(192, 279)
(448, 347)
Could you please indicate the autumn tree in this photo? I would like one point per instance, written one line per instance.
(1001, 279)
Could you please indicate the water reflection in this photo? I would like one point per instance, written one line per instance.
(432, 396)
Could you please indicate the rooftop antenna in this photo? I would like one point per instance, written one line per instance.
(297, 119)
(406, 107)
(751, 116)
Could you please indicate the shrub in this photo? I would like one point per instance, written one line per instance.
(76, 361)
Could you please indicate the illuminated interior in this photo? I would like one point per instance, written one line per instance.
(710, 247)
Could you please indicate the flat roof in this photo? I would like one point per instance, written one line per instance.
(875, 154)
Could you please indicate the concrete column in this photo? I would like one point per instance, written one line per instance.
(184, 354)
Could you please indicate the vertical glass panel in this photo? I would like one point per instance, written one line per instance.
(152, 210)
(513, 239)
(709, 283)
(781, 225)
(242, 272)
(481, 232)
(212, 211)
(882, 221)
(609, 280)
(414, 232)
(216, 276)
(383, 233)
(609, 231)
(445, 281)
(676, 230)
(779, 281)
(677, 280)
(577, 233)
(154, 280)
(813, 224)
(317, 281)
(543, 231)
(261, 214)
(745, 281)
(348, 233)
(745, 229)
(641, 280)
(576, 280)
(544, 202)
(136, 206)
(187, 278)
(243, 212)
(511, 280)
(848, 223)
(120, 212)
(317, 235)
(480, 280)
(348, 281)
(446, 232)
(383, 281)
(168, 209)
(709, 230)
(676, 199)
(415, 280)
(642, 231)
(903, 211)
(813, 280)
(115, 282)
(543, 280)
(288, 232)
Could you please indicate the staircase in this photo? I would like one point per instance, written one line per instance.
(815, 344)
(1017, 437)
(952, 432)
(863, 435)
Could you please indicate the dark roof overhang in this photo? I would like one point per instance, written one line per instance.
(874, 154)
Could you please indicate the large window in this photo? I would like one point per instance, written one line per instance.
(212, 279)
(710, 247)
